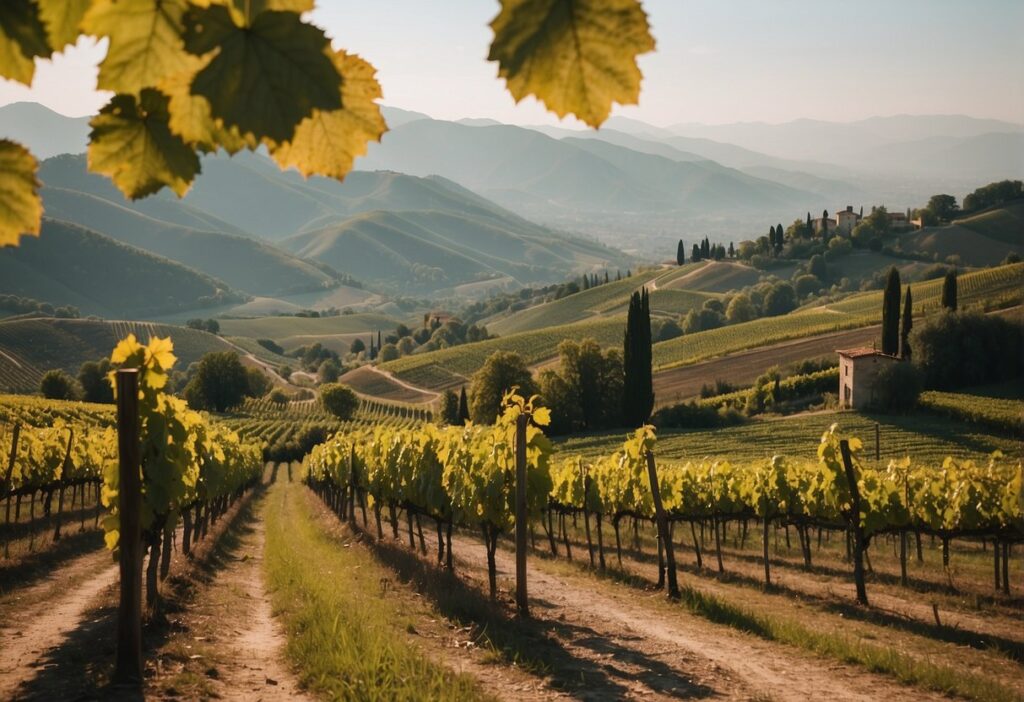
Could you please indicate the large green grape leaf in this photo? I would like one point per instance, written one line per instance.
(132, 143)
(145, 38)
(246, 10)
(577, 56)
(327, 142)
(22, 38)
(190, 114)
(20, 207)
(63, 19)
(266, 77)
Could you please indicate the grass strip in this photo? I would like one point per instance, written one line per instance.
(348, 640)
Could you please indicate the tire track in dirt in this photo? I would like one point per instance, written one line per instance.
(735, 665)
(59, 605)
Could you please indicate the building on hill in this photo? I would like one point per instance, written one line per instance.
(846, 220)
(898, 221)
(858, 370)
(819, 225)
(436, 319)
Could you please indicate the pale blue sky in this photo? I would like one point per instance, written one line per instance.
(717, 60)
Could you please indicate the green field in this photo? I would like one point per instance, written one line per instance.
(1005, 224)
(1000, 414)
(283, 327)
(922, 437)
(68, 343)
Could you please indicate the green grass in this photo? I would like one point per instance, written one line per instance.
(924, 437)
(347, 640)
(1004, 224)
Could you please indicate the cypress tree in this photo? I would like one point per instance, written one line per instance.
(680, 253)
(586, 282)
(463, 406)
(949, 291)
(695, 254)
(824, 223)
(809, 225)
(906, 325)
(618, 275)
(606, 276)
(637, 395)
(891, 314)
(861, 215)
(379, 344)
(732, 250)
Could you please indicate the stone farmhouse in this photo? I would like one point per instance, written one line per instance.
(858, 370)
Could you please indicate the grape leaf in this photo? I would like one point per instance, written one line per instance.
(327, 142)
(577, 56)
(22, 38)
(20, 207)
(63, 19)
(132, 143)
(190, 114)
(264, 78)
(145, 41)
(245, 10)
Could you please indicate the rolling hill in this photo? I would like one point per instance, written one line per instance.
(30, 347)
(436, 251)
(982, 239)
(70, 265)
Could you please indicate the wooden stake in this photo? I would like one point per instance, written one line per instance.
(858, 532)
(128, 671)
(522, 603)
(663, 535)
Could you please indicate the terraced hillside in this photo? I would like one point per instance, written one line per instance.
(1001, 286)
(30, 347)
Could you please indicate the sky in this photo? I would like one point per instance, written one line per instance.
(717, 61)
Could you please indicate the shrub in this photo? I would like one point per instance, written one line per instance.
(897, 388)
(92, 377)
(219, 383)
(339, 400)
(780, 300)
(502, 371)
(959, 349)
(271, 346)
(279, 397)
(58, 385)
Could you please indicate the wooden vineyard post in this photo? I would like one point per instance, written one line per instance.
(662, 520)
(128, 671)
(65, 465)
(858, 530)
(522, 603)
(6, 485)
(878, 453)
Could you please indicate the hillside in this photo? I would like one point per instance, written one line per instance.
(243, 263)
(983, 239)
(290, 332)
(45, 132)
(421, 252)
(30, 347)
(71, 265)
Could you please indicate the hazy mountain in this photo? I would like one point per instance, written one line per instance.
(978, 159)
(424, 251)
(846, 143)
(71, 265)
(44, 132)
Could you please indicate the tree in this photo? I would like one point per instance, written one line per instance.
(594, 380)
(781, 299)
(92, 377)
(638, 387)
(944, 207)
(388, 352)
(806, 285)
(994, 194)
(449, 410)
(558, 396)
(732, 251)
(891, 313)
(502, 371)
(212, 326)
(695, 254)
(897, 388)
(949, 291)
(357, 346)
(740, 309)
(219, 383)
(258, 383)
(818, 267)
(463, 406)
(58, 385)
(961, 349)
(907, 325)
(329, 371)
(340, 400)
(680, 253)
(879, 220)
(824, 223)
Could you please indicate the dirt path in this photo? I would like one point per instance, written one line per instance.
(55, 608)
(722, 662)
(239, 646)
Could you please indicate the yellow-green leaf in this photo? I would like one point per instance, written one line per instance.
(21, 210)
(132, 143)
(22, 38)
(245, 10)
(264, 78)
(327, 142)
(190, 114)
(146, 45)
(576, 56)
(63, 19)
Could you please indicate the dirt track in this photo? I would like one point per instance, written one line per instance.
(743, 367)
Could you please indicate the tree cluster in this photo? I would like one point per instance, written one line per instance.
(207, 325)
(585, 392)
